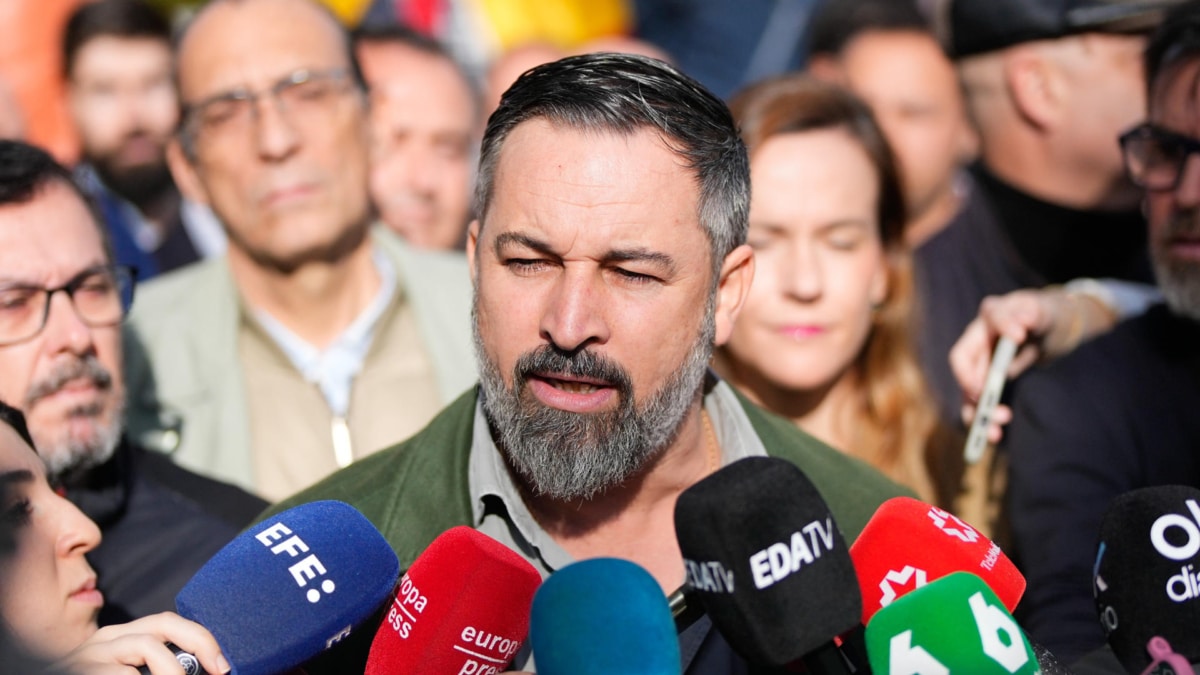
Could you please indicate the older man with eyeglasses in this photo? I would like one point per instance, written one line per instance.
(318, 338)
(61, 304)
(1120, 412)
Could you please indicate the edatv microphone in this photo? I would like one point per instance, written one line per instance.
(462, 608)
(603, 616)
(767, 561)
(908, 543)
(955, 624)
(291, 587)
(1146, 579)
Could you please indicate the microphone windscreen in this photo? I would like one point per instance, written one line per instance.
(603, 616)
(463, 607)
(291, 587)
(1146, 579)
(955, 624)
(767, 561)
(908, 543)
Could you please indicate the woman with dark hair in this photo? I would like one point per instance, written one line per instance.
(48, 596)
(824, 338)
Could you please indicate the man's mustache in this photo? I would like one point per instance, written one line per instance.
(546, 360)
(85, 368)
(1183, 223)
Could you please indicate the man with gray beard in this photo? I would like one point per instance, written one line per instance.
(62, 300)
(1119, 413)
(608, 259)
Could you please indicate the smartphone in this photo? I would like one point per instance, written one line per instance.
(993, 386)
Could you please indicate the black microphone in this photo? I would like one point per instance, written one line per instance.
(771, 568)
(1146, 580)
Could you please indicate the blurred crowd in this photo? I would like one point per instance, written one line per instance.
(260, 215)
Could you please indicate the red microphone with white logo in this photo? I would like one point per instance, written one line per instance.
(909, 543)
(463, 607)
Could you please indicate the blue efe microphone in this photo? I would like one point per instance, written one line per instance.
(292, 586)
(603, 616)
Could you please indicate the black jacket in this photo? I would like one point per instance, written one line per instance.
(1003, 240)
(1117, 414)
(160, 524)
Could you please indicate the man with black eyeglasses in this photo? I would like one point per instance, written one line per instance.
(1120, 412)
(61, 304)
(318, 337)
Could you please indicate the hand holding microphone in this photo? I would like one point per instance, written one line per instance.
(291, 587)
(141, 643)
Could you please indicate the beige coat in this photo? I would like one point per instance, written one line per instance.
(186, 386)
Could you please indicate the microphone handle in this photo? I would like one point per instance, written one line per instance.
(854, 649)
(190, 665)
(828, 660)
(685, 613)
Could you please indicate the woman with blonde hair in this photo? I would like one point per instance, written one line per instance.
(824, 338)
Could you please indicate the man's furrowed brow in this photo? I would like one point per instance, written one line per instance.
(644, 255)
(658, 259)
(519, 240)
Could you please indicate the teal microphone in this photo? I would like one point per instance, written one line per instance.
(603, 616)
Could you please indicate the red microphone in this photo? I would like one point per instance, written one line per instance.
(463, 607)
(909, 543)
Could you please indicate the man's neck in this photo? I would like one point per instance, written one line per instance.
(1037, 170)
(316, 301)
(635, 521)
(934, 217)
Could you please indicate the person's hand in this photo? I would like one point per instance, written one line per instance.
(120, 649)
(1045, 323)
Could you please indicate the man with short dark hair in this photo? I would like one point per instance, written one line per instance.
(885, 52)
(1118, 413)
(117, 58)
(608, 260)
(62, 300)
(425, 113)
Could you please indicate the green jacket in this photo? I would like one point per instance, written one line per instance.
(417, 489)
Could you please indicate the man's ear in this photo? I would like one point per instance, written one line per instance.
(184, 173)
(472, 241)
(1036, 86)
(733, 286)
